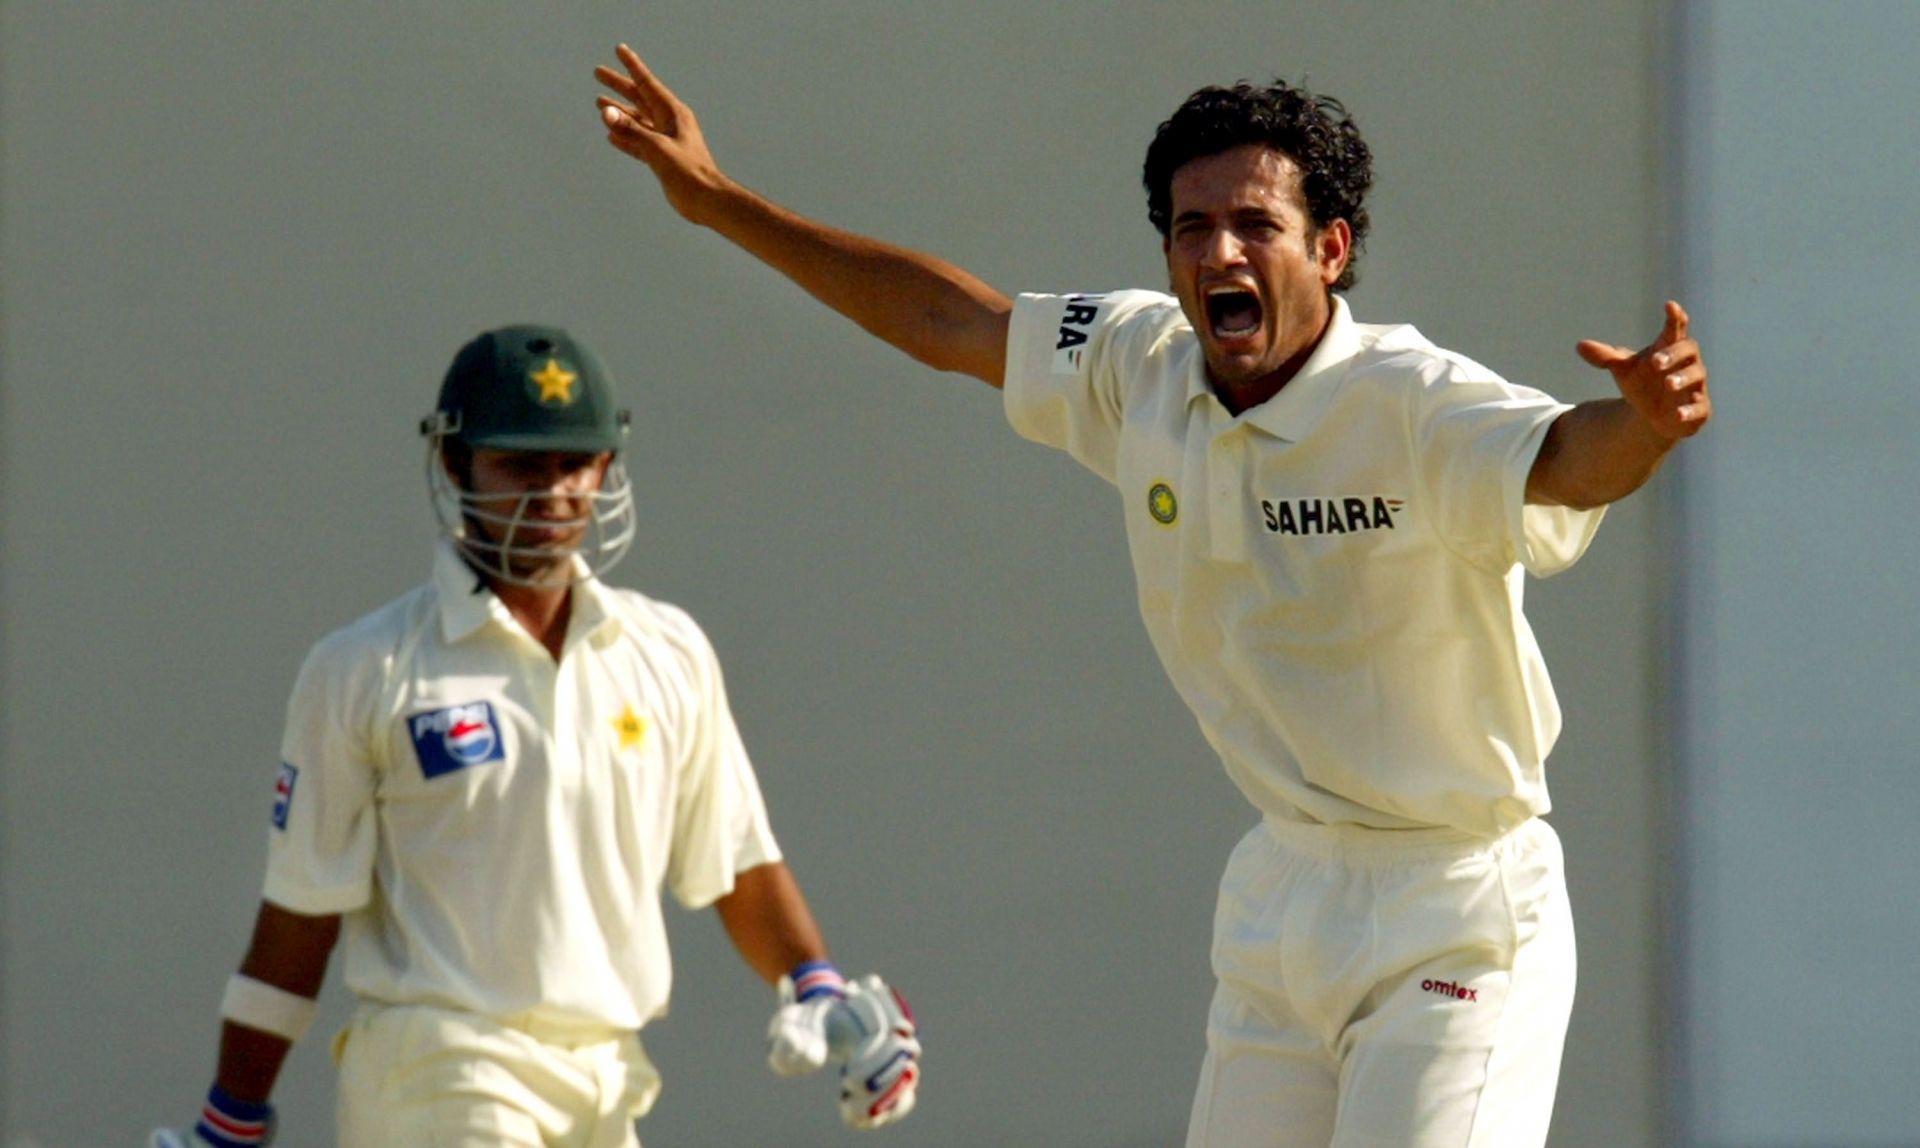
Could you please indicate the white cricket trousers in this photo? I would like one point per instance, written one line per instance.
(417, 1077)
(1386, 989)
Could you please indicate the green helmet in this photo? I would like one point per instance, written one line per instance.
(528, 388)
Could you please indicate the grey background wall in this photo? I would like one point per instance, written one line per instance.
(1799, 673)
(239, 243)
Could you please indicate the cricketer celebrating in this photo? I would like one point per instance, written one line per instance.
(488, 782)
(1329, 522)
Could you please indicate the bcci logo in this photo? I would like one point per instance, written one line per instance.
(1162, 504)
(455, 738)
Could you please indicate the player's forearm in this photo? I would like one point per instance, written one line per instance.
(250, 1062)
(1598, 452)
(286, 961)
(769, 922)
(936, 312)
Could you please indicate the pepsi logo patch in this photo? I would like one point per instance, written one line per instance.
(283, 794)
(455, 738)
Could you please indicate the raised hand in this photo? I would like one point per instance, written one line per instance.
(928, 308)
(651, 124)
(1665, 383)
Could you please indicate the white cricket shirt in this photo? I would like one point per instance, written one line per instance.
(1332, 579)
(497, 826)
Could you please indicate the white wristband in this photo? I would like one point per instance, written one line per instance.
(269, 1008)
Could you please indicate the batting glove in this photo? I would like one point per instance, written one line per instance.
(797, 1038)
(224, 1123)
(875, 1026)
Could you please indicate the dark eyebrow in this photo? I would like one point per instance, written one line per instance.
(1237, 214)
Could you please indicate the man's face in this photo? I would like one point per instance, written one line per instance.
(538, 505)
(1249, 271)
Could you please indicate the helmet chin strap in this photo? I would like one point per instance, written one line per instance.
(467, 519)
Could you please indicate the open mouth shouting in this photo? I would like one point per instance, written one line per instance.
(1234, 313)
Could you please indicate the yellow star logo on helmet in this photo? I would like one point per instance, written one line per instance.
(555, 383)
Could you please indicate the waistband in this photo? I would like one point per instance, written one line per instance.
(561, 1033)
(564, 1033)
(1360, 844)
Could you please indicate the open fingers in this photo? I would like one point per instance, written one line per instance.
(1685, 387)
(619, 82)
(622, 129)
(1690, 377)
(1693, 415)
(615, 114)
(647, 99)
(626, 133)
(633, 108)
(1599, 354)
(655, 99)
(1674, 355)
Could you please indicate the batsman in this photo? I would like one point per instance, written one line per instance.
(487, 784)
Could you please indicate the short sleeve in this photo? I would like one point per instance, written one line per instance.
(1475, 439)
(720, 824)
(1068, 358)
(321, 846)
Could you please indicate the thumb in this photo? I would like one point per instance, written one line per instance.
(1598, 354)
(1674, 328)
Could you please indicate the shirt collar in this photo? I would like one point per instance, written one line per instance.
(594, 614)
(1294, 411)
(466, 604)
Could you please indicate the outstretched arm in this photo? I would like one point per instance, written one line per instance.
(934, 311)
(1602, 451)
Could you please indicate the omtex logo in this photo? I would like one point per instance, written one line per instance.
(1450, 989)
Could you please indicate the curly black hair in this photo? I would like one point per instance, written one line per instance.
(1315, 131)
